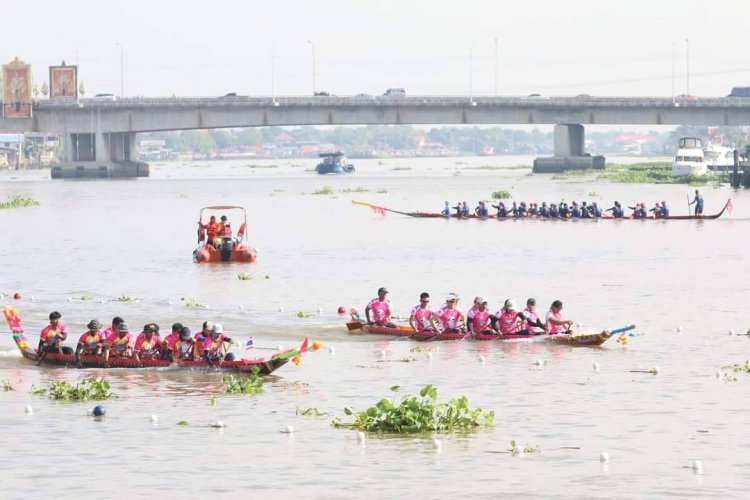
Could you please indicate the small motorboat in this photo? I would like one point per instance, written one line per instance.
(224, 246)
(689, 159)
(334, 163)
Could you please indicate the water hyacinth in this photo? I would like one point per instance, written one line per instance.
(413, 414)
(94, 389)
(251, 384)
(18, 202)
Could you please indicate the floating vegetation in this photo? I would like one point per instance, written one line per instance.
(182, 195)
(309, 412)
(6, 386)
(19, 202)
(400, 360)
(244, 275)
(303, 314)
(401, 168)
(355, 190)
(192, 303)
(262, 166)
(645, 173)
(500, 195)
(414, 414)
(277, 190)
(382, 191)
(294, 384)
(251, 384)
(593, 193)
(84, 297)
(420, 348)
(325, 190)
(183, 423)
(212, 401)
(517, 449)
(267, 277)
(740, 367)
(87, 389)
(125, 298)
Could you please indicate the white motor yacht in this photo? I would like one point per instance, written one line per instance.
(689, 159)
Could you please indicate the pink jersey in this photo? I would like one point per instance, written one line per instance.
(449, 318)
(48, 333)
(146, 346)
(481, 321)
(107, 334)
(556, 316)
(507, 322)
(531, 319)
(213, 345)
(381, 310)
(470, 314)
(422, 317)
(91, 342)
(120, 344)
(171, 339)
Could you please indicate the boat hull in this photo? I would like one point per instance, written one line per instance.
(207, 254)
(680, 169)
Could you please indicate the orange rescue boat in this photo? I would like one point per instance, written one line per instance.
(216, 242)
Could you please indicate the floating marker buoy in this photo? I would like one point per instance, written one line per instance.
(289, 429)
(169, 302)
(518, 451)
(279, 347)
(361, 437)
(481, 359)
(32, 298)
(218, 424)
(596, 366)
(429, 355)
(70, 299)
(604, 457)
(697, 466)
(437, 444)
(679, 329)
(103, 301)
(241, 306)
(719, 373)
(281, 309)
(99, 411)
(154, 419)
(17, 295)
(320, 310)
(731, 331)
(342, 310)
(655, 370)
(29, 410)
(539, 363)
(331, 350)
(382, 353)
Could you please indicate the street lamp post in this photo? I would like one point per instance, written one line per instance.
(687, 56)
(495, 67)
(273, 71)
(471, 74)
(673, 58)
(122, 71)
(312, 46)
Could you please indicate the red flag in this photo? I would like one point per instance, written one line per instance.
(729, 206)
(303, 347)
(379, 210)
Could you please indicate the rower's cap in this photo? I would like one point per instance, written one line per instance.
(481, 300)
(155, 328)
(451, 297)
(94, 325)
(382, 290)
(510, 304)
(148, 328)
(122, 327)
(477, 299)
(531, 302)
(217, 328)
(185, 333)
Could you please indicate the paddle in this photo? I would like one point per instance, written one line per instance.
(43, 348)
(380, 210)
(688, 200)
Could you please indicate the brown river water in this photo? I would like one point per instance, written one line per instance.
(104, 239)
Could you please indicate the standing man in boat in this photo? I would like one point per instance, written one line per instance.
(698, 200)
(211, 228)
(381, 310)
(92, 342)
(422, 318)
(53, 336)
(555, 321)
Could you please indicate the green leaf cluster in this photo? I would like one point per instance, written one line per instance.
(6, 386)
(325, 190)
(87, 389)
(417, 414)
(18, 202)
(251, 384)
(501, 195)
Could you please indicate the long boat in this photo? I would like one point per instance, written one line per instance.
(265, 366)
(435, 215)
(568, 338)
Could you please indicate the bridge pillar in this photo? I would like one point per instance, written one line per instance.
(570, 152)
(100, 155)
(121, 146)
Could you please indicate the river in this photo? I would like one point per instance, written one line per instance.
(100, 240)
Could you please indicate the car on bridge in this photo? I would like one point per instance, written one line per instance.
(740, 92)
(105, 97)
(395, 92)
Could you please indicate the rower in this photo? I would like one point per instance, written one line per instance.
(575, 211)
(533, 323)
(92, 342)
(446, 209)
(595, 210)
(451, 319)
(120, 344)
(183, 347)
(544, 210)
(698, 200)
(480, 321)
(200, 337)
(167, 345)
(381, 310)
(555, 321)
(664, 210)
(585, 211)
(53, 336)
(481, 210)
(214, 350)
(617, 211)
(509, 320)
(553, 210)
(563, 210)
(465, 210)
(514, 209)
(422, 318)
(522, 209)
(534, 210)
(656, 210)
(147, 343)
(501, 210)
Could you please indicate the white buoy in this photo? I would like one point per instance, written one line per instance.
(169, 302)
(320, 310)
(697, 466)
(281, 309)
(29, 410)
(429, 355)
(596, 366)
(382, 353)
(481, 359)
(207, 306)
(731, 331)
(154, 419)
(655, 370)
(32, 298)
(437, 444)
(241, 306)
(218, 424)
(279, 347)
(361, 437)
(102, 301)
(604, 457)
(331, 350)
(540, 363)
(679, 329)
(289, 429)
(719, 373)
(90, 411)
(518, 450)
(70, 299)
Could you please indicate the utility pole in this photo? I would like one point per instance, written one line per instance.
(312, 46)
(273, 71)
(122, 72)
(687, 52)
(673, 59)
(495, 67)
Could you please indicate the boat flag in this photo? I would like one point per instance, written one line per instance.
(303, 347)
(729, 206)
(379, 210)
(249, 344)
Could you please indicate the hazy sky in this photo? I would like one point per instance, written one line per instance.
(564, 47)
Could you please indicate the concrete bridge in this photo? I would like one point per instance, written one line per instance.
(103, 132)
